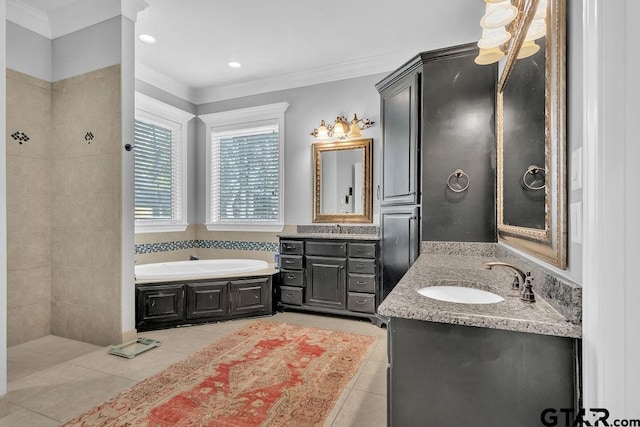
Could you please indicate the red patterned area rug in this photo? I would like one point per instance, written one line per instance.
(265, 374)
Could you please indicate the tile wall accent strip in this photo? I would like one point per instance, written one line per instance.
(148, 248)
(238, 245)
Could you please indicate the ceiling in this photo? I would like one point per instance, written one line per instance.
(284, 43)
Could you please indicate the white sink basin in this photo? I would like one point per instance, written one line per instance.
(460, 294)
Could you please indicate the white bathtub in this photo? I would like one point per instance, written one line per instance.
(199, 269)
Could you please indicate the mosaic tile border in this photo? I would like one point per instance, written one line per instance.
(149, 248)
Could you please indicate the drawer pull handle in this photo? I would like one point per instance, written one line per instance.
(361, 250)
(361, 283)
(289, 246)
(361, 302)
(361, 265)
(291, 277)
(289, 261)
(291, 295)
(153, 303)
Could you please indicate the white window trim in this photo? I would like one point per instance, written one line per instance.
(148, 108)
(234, 117)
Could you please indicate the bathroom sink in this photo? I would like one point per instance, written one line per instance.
(460, 294)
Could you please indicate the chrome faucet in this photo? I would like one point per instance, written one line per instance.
(519, 278)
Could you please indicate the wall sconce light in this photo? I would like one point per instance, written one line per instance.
(342, 129)
(496, 33)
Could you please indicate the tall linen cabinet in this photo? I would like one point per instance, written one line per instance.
(438, 114)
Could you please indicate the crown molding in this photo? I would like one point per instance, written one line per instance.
(74, 17)
(164, 83)
(131, 8)
(324, 74)
(28, 17)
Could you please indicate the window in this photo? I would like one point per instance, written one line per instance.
(160, 166)
(245, 173)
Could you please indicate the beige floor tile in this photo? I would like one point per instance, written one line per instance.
(337, 407)
(22, 417)
(17, 370)
(54, 378)
(379, 353)
(362, 409)
(186, 340)
(31, 387)
(79, 394)
(140, 367)
(43, 353)
(372, 378)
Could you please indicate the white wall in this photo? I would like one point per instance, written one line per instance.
(611, 342)
(3, 213)
(307, 106)
(89, 49)
(29, 52)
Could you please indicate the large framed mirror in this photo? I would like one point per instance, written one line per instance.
(342, 181)
(531, 137)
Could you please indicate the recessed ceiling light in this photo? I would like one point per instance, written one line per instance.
(147, 38)
(234, 64)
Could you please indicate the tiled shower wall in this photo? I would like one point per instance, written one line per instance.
(64, 207)
(86, 209)
(28, 207)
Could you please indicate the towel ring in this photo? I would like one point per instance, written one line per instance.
(534, 170)
(459, 173)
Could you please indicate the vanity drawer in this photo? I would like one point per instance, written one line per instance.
(291, 262)
(364, 266)
(364, 303)
(338, 249)
(362, 283)
(291, 247)
(291, 295)
(362, 250)
(292, 277)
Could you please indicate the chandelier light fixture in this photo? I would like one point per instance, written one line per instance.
(497, 31)
(342, 129)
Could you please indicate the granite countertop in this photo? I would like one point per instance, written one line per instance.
(335, 236)
(510, 314)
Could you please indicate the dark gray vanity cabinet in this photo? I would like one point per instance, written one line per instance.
(164, 305)
(326, 282)
(338, 276)
(207, 300)
(400, 148)
(250, 296)
(400, 227)
(160, 303)
(437, 116)
(450, 375)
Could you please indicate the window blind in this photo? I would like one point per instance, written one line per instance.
(245, 175)
(157, 175)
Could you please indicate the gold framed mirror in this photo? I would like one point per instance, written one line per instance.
(531, 139)
(342, 181)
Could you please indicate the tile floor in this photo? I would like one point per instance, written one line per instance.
(53, 379)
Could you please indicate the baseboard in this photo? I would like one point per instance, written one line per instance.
(129, 335)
